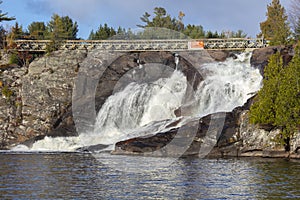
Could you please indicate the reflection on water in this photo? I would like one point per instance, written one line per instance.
(81, 176)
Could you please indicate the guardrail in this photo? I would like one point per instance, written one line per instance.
(143, 45)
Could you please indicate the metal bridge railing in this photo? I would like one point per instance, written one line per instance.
(143, 45)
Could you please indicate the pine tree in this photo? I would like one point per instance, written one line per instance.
(276, 27)
(263, 111)
(62, 28)
(239, 34)
(163, 20)
(70, 28)
(16, 31)
(55, 28)
(37, 30)
(287, 103)
(194, 32)
(278, 102)
(104, 32)
(4, 17)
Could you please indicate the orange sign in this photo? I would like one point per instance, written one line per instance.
(196, 45)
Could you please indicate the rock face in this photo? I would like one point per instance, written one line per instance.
(37, 97)
(219, 55)
(260, 57)
(11, 127)
(217, 135)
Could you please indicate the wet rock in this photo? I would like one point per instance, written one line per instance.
(93, 148)
(260, 57)
(295, 143)
(219, 55)
(217, 135)
(197, 137)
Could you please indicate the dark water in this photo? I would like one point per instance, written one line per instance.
(81, 176)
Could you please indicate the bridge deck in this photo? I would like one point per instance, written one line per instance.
(144, 45)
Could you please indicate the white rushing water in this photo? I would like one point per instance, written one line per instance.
(147, 108)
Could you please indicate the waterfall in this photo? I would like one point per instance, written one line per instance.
(148, 107)
(227, 85)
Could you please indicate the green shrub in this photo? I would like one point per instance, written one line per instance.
(7, 93)
(14, 59)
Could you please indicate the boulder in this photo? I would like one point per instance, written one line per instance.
(219, 55)
(197, 137)
(260, 57)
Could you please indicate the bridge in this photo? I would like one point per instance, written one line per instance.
(144, 45)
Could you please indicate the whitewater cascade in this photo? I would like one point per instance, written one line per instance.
(147, 108)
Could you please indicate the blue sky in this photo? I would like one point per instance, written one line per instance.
(215, 15)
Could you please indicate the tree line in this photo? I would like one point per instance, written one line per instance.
(64, 28)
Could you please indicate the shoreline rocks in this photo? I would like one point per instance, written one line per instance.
(235, 137)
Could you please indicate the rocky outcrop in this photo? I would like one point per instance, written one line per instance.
(35, 99)
(217, 135)
(219, 55)
(11, 127)
(260, 57)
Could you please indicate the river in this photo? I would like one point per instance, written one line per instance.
(81, 176)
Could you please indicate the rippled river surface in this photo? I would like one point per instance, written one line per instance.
(82, 176)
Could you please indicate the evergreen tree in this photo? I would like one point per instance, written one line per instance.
(70, 28)
(263, 111)
(3, 33)
(278, 102)
(92, 35)
(4, 17)
(62, 28)
(194, 32)
(16, 32)
(287, 103)
(55, 28)
(37, 30)
(121, 31)
(56, 33)
(210, 34)
(163, 20)
(59, 29)
(276, 27)
(104, 32)
(239, 34)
